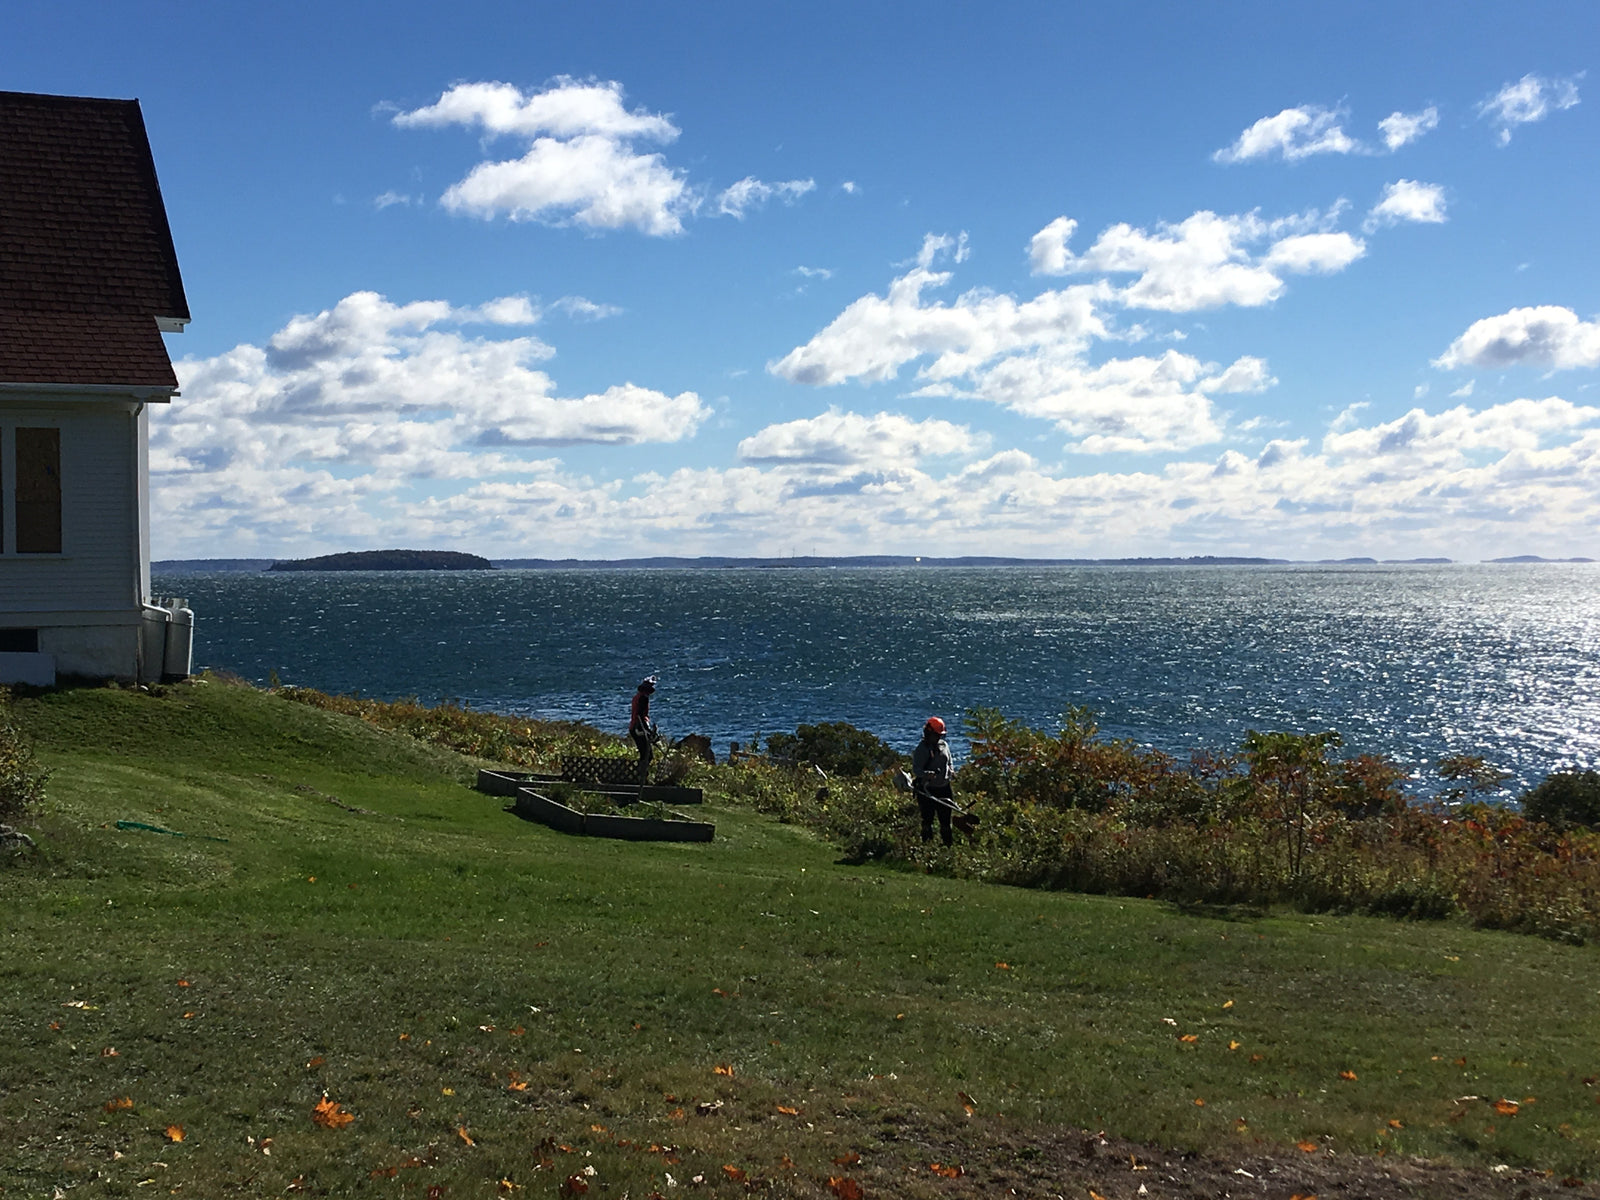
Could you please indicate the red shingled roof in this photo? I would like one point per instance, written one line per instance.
(86, 257)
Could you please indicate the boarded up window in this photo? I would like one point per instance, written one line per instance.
(38, 478)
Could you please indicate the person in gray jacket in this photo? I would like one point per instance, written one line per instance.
(931, 772)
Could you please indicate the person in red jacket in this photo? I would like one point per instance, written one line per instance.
(642, 729)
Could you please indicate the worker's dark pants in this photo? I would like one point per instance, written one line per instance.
(646, 752)
(929, 806)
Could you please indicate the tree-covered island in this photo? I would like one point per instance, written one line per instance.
(388, 560)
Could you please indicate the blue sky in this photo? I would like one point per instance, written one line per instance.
(604, 280)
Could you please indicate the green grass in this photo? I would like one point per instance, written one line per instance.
(415, 960)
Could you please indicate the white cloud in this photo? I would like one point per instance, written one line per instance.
(389, 200)
(1465, 390)
(1519, 425)
(582, 165)
(367, 399)
(1407, 200)
(570, 108)
(1546, 336)
(1204, 261)
(814, 272)
(1531, 98)
(1294, 133)
(847, 439)
(877, 335)
(1401, 129)
(750, 193)
(585, 310)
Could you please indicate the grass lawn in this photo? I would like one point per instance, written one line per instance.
(507, 1010)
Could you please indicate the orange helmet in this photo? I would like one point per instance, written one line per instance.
(935, 724)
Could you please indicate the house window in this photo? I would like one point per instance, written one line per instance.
(38, 483)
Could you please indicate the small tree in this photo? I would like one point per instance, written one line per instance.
(838, 747)
(1471, 777)
(1291, 781)
(1564, 799)
(22, 780)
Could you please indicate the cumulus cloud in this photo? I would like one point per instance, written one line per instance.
(1545, 336)
(877, 335)
(847, 439)
(1531, 98)
(750, 193)
(1407, 200)
(369, 397)
(1293, 134)
(1401, 129)
(1519, 425)
(583, 164)
(1205, 261)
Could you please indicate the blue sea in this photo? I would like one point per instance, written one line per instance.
(1411, 661)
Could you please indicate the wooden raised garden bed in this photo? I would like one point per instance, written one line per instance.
(506, 783)
(530, 803)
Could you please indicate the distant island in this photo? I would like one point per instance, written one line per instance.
(388, 560)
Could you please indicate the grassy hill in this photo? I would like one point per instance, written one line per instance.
(504, 1009)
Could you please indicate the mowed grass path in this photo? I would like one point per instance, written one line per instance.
(502, 1007)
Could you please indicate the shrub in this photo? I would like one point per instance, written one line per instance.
(838, 747)
(22, 780)
(1564, 799)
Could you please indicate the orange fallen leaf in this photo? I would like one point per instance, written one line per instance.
(574, 1185)
(518, 1032)
(1507, 1108)
(1000, 966)
(1199, 1103)
(120, 1104)
(329, 1115)
(1308, 1147)
(1395, 1124)
(597, 1129)
(174, 1133)
(507, 1187)
(1094, 1195)
(1229, 1004)
(383, 1172)
(1190, 1038)
(847, 1160)
(461, 1132)
(110, 1052)
(733, 1172)
(676, 1114)
(787, 1111)
(786, 1162)
(967, 1102)
(1234, 1045)
(724, 1069)
(1348, 1076)
(1304, 1196)
(517, 1085)
(951, 1172)
(188, 1016)
(183, 983)
(405, 1037)
(55, 1026)
(1257, 1057)
(719, 992)
(315, 1063)
(844, 1187)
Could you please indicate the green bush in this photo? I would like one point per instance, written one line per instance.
(838, 747)
(22, 780)
(1564, 799)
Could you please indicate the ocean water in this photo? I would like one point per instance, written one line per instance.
(1411, 661)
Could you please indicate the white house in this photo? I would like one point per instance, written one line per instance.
(88, 283)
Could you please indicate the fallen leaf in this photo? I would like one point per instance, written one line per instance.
(110, 1052)
(786, 1163)
(1348, 1076)
(55, 1026)
(719, 992)
(676, 1114)
(183, 983)
(1234, 1045)
(574, 1185)
(518, 1032)
(967, 1102)
(1191, 1038)
(1308, 1147)
(315, 1063)
(329, 1115)
(844, 1188)
(1257, 1057)
(1507, 1108)
(1395, 1124)
(1000, 966)
(517, 1085)
(1199, 1103)
(174, 1133)
(849, 1159)
(447, 1091)
(1304, 1196)
(188, 1016)
(506, 1186)
(383, 1172)
(1094, 1195)
(1229, 1004)
(951, 1172)
(733, 1172)
(724, 1069)
(461, 1132)
(597, 1129)
(120, 1104)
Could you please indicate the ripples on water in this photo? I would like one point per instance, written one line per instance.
(1413, 661)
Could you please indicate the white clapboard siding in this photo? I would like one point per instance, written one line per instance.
(97, 570)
